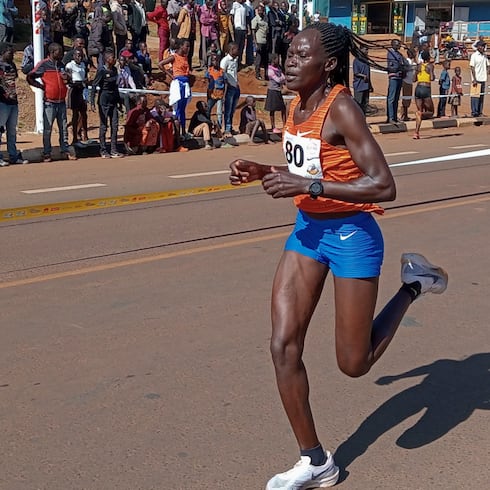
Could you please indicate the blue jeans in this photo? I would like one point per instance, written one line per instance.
(477, 102)
(9, 114)
(231, 99)
(219, 109)
(394, 89)
(52, 111)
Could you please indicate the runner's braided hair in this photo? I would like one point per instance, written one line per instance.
(339, 42)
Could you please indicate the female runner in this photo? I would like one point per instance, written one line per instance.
(336, 174)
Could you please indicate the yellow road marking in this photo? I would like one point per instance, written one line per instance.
(41, 210)
(210, 248)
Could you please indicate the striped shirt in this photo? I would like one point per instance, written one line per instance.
(308, 155)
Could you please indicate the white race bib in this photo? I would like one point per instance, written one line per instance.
(303, 155)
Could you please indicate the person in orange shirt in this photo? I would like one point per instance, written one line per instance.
(336, 174)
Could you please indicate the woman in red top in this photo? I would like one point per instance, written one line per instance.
(336, 174)
(160, 17)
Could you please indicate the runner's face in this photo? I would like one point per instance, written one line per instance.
(306, 62)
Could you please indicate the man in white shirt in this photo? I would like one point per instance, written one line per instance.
(238, 14)
(229, 65)
(480, 67)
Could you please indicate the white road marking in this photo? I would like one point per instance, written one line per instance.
(400, 153)
(445, 158)
(65, 188)
(200, 174)
(464, 147)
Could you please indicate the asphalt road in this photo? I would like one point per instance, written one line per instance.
(134, 351)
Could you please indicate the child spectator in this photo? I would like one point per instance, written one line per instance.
(444, 86)
(169, 138)
(77, 70)
(274, 101)
(456, 92)
(249, 124)
(216, 88)
(144, 60)
(142, 131)
(212, 51)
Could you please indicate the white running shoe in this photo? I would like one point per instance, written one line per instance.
(415, 267)
(304, 475)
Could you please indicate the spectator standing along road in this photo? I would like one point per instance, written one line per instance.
(260, 29)
(160, 17)
(396, 73)
(362, 80)
(238, 14)
(229, 64)
(54, 77)
(480, 68)
(7, 13)
(9, 105)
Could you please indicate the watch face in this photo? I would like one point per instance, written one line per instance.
(316, 189)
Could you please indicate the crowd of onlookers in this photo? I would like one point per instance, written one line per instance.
(410, 76)
(108, 67)
(108, 62)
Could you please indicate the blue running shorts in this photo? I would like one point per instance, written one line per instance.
(351, 247)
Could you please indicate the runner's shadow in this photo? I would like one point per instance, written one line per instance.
(450, 392)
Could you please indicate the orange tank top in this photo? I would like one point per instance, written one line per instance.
(180, 66)
(311, 157)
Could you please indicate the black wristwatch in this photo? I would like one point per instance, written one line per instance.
(315, 189)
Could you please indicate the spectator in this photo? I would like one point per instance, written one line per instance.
(106, 79)
(27, 59)
(292, 30)
(396, 73)
(274, 101)
(362, 79)
(216, 88)
(424, 75)
(54, 77)
(120, 27)
(9, 105)
(435, 41)
(187, 27)
(478, 39)
(77, 69)
(480, 67)
(249, 40)
(208, 20)
(143, 59)
(78, 44)
(229, 64)
(238, 15)
(444, 86)
(141, 132)
(456, 92)
(416, 38)
(7, 13)
(169, 139)
(99, 38)
(249, 124)
(108, 17)
(137, 22)
(173, 8)
(202, 125)
(125, 80)
(57, 27)
(260, 29)
(160, 17)
(277, 29)
(129, 46)
(407, 83)
(180, 88)
(213, 51)
(225, 25)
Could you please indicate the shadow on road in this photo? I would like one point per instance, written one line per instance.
(450, 392)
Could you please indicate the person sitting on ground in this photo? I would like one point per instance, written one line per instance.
(424, 75)
(144, 61)
(249, 124)
(201, 125)
(141, 131)
(169, 139)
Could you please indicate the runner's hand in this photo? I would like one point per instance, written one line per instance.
(244, 171)
(284, 184)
